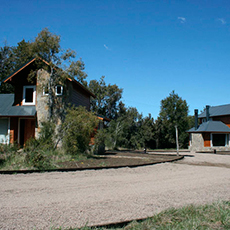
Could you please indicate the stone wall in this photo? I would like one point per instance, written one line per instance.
(42, 100)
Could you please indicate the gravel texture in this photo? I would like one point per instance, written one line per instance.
(93, 197)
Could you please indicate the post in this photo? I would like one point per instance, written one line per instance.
(177, 143)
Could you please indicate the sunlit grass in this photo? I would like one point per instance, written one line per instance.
(214, 216)
(16, 159)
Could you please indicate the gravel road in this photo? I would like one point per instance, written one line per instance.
(41, 201)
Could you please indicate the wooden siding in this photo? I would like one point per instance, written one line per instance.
(19, 80)
(224, 119)
(13, 129)
(18, 95)
(207, 141)
(80, 98)
(29, 129)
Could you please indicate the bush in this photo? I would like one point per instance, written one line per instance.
(77, 128)
(47, 135)
(100, 139)
(8, 148)
(7, 152)
(35, 148)
(37, 159)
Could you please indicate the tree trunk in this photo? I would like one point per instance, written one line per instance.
(177, 143)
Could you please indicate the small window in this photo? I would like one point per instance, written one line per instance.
(220, 139)
(46, 90)
(29, 95)
(59, 90)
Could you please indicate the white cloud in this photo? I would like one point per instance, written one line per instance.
(182, 19)
(223, 22)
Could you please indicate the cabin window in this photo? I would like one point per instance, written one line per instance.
(59, 90)
(46, 90)
(29, 95)
(220, 139)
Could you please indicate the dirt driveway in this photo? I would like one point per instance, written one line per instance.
(94, 197)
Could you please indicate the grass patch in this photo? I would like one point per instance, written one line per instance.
(214, 216)
(13, 158)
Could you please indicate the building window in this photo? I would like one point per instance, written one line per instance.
(29, 95)
(46, 90)
(220, 139)
(59, 90)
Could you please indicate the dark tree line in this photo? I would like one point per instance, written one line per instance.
(128, 128)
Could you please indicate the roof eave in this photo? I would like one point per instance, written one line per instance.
(29, 62)
(83, 87)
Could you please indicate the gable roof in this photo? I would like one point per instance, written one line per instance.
(45, 62)
(211, 126)
(214, 111)
(7, 109)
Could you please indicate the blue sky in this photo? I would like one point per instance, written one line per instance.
(146, 47)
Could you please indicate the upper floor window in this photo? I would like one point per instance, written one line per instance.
(29, 95)
(59, 90)
(46, 90)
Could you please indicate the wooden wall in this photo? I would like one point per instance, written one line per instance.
(224, 119)
(207, 141)
(80, 97)
(13, 129)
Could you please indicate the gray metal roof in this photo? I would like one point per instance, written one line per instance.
(211, 126)
(220, 110)
(7, 109)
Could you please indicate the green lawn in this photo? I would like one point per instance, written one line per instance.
(214, 216)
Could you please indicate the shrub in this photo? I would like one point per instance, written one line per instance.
(37, 159)
(35, 148)
(47, 135)
(7, 153)
(100, 139)
(79, 124)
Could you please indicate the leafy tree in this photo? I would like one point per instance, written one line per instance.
(47, 47)
(107, 101)
(146, 132)
(76, 70)
(22, 53)
(77, 128)
(6, 67)
(173, 112)
(131, 130)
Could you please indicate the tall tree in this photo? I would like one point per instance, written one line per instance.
(173, 112)
(108, 98)
(146, 132)
(123, 132)
(22, 53)
(6, 67)
(131, 130)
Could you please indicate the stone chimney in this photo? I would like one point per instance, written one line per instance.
(196, 118)
(207, 112)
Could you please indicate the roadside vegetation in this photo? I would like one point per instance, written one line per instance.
(42, 153)
(214, 216)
